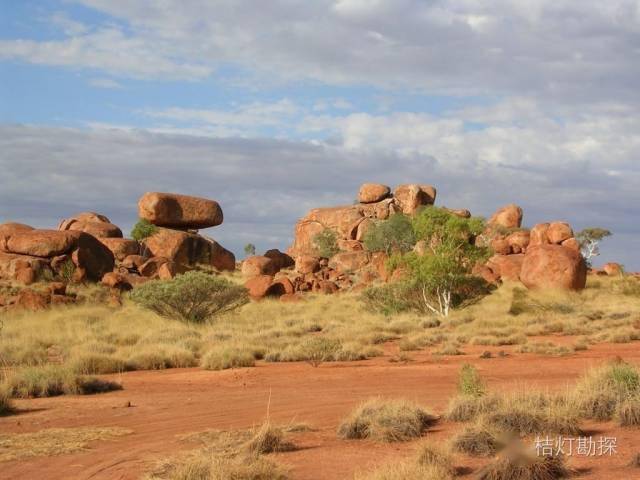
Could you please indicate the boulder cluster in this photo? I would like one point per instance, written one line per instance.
(547, 256)
(88, 247)
(353, 267)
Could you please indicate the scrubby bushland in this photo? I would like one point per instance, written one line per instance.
(386, 420)
(143, 229)
(438, 278)
(191, 297)
(392, 235)
(604, 390)
(326, 243)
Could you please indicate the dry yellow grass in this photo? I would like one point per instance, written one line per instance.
(53, 441)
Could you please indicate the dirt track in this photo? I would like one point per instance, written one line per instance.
(173, 402)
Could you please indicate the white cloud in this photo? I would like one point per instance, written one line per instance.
(560, 51)
(105, 83)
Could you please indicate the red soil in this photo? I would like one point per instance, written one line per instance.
(166, 404)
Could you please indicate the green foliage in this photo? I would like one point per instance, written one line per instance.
(192, 297)
(469, 381)
(250, 249)
(592, 234)
(326, 243)
(393, 235)
(392, 298)
(437, 225)
(320, 349)
(143, 229)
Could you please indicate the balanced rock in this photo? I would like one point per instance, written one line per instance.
(538, 234)
(179, 211)
(373, 192)
(349, 261)
(509, 216)
(553, 266)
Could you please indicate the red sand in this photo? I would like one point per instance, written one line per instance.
(174, 402)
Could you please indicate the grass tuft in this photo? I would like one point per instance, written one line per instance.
(386, 421)
(225, 358)
(268, 439)
(628, 412)
(477, 440)
(521, 465)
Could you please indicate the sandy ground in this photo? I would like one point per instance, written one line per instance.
(166, 404)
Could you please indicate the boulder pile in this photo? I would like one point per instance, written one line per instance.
(352, 268)
(88, 247)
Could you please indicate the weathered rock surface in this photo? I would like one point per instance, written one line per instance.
(121, 247)
(558, 232)
(373, 192)
(188, 249)
(509, 216)
(553, 266)
(258, 265)
(506, 267)
(40, 243)
(179, 211)
(93, 257)
(411, 197)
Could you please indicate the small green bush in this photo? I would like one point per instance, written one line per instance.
(143, 229)
(392, 235)
(191, 297)
(326, 243)
(320, 349)
(469, 381)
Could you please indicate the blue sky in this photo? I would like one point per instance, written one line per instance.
(277, 107)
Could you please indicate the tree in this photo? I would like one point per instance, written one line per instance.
(143, 229)
(439, 279)
(249, 249)
(393, 235)
(590, 239)
(326, 243)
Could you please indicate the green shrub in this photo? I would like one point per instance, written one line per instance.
(316, 350)
(326, 243)
(143, 229)
(392, 298)
(192, 297)
(469, 381)
(392, 235)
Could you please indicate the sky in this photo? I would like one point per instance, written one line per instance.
(276, 107)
